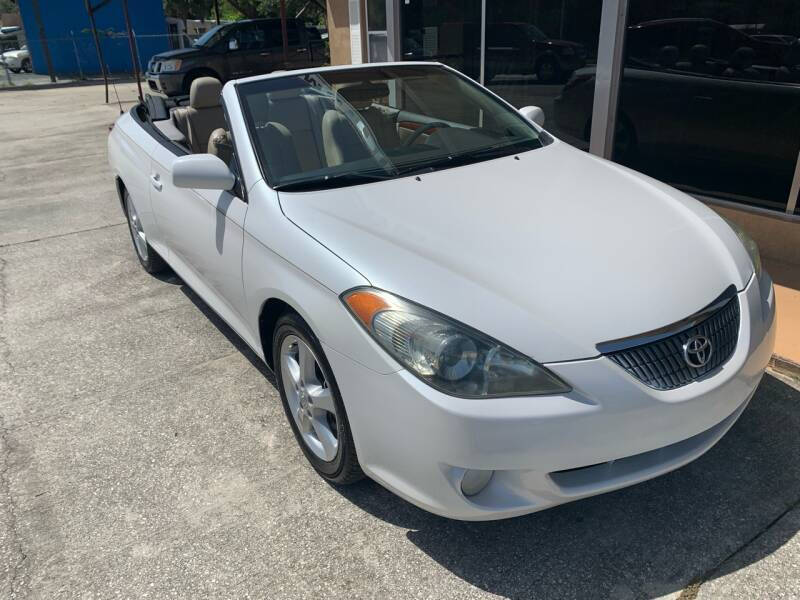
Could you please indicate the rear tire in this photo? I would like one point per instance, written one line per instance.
(148, 258)
(191, 76)
(312, 402)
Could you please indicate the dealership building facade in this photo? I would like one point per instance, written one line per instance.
(701, 94)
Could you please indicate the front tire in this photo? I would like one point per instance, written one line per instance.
(547, 71)
(312, 401)
(26, 65)
(148, 258)
(13, 70)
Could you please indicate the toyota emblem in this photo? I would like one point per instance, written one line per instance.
(697, 351)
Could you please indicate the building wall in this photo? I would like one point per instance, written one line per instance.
(339, 31)
(68, 34)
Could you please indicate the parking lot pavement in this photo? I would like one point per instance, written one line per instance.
(144, 452)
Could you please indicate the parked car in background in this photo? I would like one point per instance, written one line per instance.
(519, 49)
(234, 50)
(482, 318)
(17, 60)
(741, 95)
(523, 49)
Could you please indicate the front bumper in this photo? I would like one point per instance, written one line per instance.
(167, 83)
(609, 432)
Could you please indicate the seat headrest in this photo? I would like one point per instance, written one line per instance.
(363, 92)
(220, 145)
(205, 92)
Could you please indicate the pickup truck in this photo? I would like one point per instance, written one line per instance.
(236, 50)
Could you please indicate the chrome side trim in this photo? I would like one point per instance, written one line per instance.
(648, 337)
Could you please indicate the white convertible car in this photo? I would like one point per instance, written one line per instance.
(456, 304)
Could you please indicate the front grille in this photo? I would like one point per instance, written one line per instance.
(660, 364)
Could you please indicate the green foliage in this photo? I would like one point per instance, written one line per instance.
(8, 6)
(311, 11)
(189, 9)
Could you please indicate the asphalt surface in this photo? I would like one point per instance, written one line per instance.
(144, 452)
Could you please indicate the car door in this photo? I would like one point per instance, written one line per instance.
(247, 50)
(203, 230)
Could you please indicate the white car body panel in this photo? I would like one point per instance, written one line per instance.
(551, 253)
(492, 234)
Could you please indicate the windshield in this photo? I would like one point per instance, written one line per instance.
(210, 37)
(345, 127)
(536, 34)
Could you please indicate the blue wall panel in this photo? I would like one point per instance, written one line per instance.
(69, 38)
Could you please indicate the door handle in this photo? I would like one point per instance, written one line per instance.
(155, 179)
(266, 54)
(302, 50)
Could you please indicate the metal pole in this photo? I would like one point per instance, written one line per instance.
(77, 57)
(216, 10)
(8, 74)
(613, 19)
(284, 33)
(43, 39)
(132, 44)
(100, 59)
(483, 44)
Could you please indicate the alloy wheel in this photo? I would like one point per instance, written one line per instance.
(137, 231)
(309, 397)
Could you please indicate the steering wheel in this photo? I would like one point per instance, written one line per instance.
(420, 130)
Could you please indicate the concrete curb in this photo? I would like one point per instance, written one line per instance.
(784, 366)
(65, 84)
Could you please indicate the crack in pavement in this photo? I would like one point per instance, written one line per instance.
(59, 235)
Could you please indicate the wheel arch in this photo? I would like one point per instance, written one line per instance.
(271, 310)
(198, 72)
(120, 185)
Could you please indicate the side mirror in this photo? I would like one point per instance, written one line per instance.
(533, 114)
(233, 44)
(203, 172)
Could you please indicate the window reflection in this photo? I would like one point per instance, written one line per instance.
(537, 48)
(711, 106)
(447, 31)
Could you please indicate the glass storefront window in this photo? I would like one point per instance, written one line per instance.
(710, 97)
(447, 31)
(709, 92)
(542, 53)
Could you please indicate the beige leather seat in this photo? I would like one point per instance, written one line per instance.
(366, 98)
(221, 145)
(202, 116)
(341, 141)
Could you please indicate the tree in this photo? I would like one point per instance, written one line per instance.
(8, 6)
(188, 9)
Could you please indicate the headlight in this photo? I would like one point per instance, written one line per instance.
(448, 355)
(171, 65)
(749, 245)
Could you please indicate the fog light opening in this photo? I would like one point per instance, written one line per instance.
(474, 481)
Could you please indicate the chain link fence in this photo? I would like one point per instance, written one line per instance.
(76, 57)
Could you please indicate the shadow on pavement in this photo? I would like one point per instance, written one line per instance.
(644, 541)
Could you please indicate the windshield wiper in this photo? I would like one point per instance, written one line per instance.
(331, 181)
(465, 158)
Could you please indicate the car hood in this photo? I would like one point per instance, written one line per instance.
(551, 252)
(15, 54)
(180, 53)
